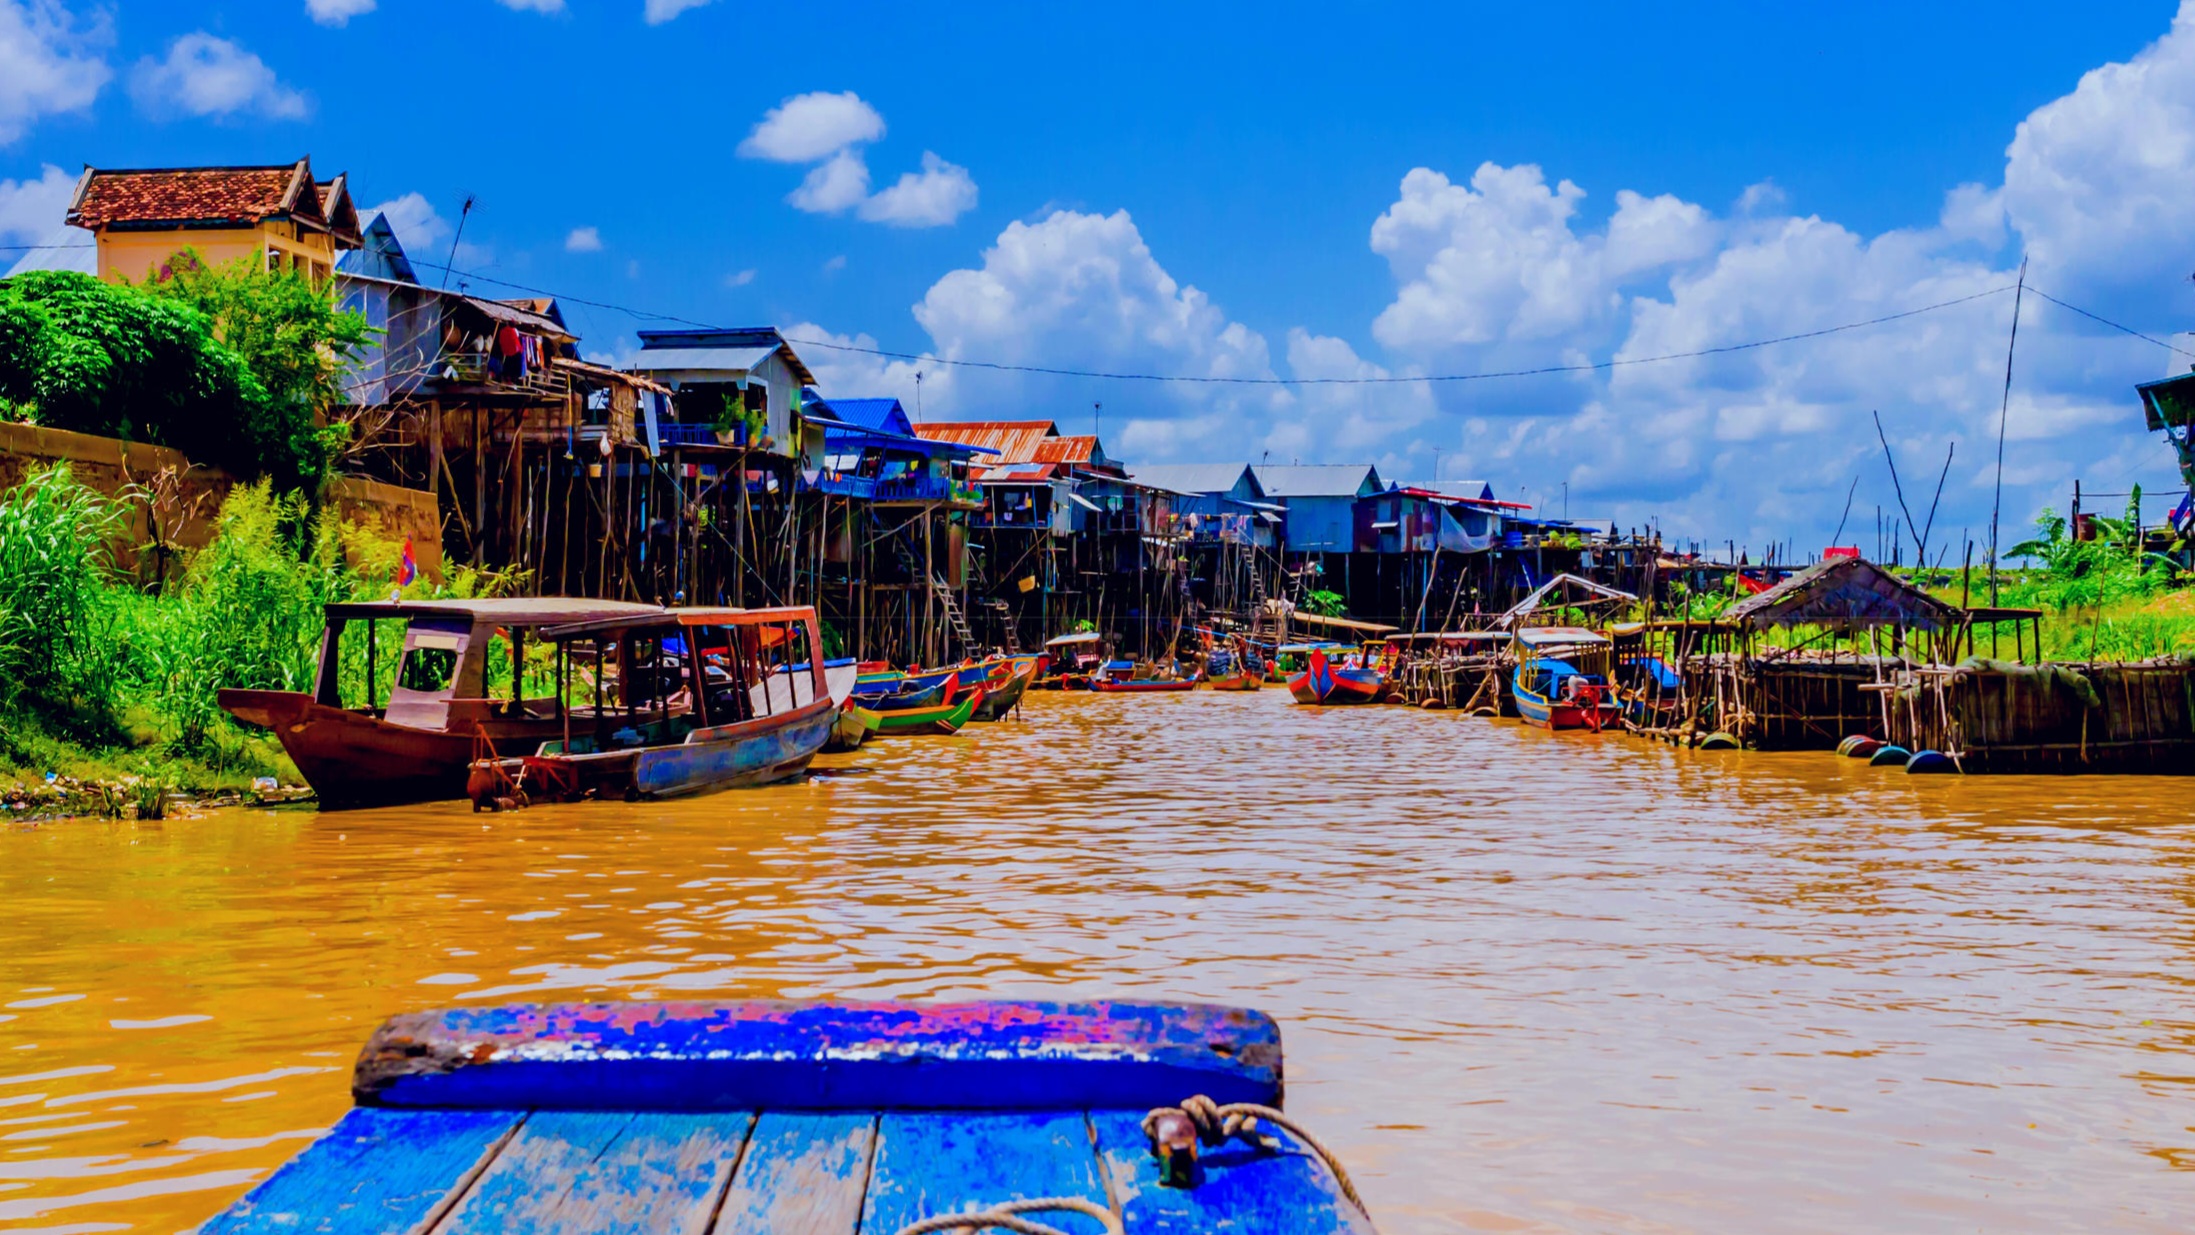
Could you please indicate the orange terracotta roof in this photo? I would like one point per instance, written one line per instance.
(175, 195)
(1016, 441)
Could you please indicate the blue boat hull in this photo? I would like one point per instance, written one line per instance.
(738, 758)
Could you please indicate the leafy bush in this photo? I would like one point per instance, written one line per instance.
(1326, 604)
(230, 365)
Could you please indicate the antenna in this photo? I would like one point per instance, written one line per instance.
(464, 212)
(918, 394)
(1095, 408)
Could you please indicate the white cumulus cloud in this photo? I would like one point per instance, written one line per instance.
(830, 131)
(533, 6)
(934, 197)
(32, 210)
(840, 182)
(50, 62)
(659, 11)
(814, 126)
(337, 12)
(206, 76)
(583, 240)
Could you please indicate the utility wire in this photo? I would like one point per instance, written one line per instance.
(1253, 381)
(2108, 322)
(1546, 370)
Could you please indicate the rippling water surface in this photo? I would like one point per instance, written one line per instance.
(1528, 982)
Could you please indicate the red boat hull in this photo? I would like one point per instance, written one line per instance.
(352, 759)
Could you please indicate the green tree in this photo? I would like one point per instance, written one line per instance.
(231, 365)
(286, 327)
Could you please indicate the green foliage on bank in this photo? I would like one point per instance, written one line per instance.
(233, 365)
(102, 676)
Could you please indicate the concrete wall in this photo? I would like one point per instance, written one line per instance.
(185, 497)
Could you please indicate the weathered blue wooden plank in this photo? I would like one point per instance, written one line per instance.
(953, 1163)
(374, 1173)
(602, 1173)
(802, 1174)
(797, 1056)
(1241, 1189)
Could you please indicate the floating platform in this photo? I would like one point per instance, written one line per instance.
(716, 1118)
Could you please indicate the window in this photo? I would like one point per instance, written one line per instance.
(428, 670)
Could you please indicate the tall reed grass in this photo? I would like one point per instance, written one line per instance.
(90, 658)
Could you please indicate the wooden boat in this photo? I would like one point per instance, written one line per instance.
(703, 700)
(943, 718)
(1069, 660)
(912, 694)
(1562, 678)
(827, 1118)
(1131, 677)
(418, 745)
(1234, 666)
(1004, 690)
(1129, 686)
(854, 725)
(1325, 683)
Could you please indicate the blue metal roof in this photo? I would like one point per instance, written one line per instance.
(883, 415)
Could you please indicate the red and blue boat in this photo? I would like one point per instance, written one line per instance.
(1562, 678)
(830, 1118)
(1324, 682)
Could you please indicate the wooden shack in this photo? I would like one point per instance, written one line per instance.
(1811, 694)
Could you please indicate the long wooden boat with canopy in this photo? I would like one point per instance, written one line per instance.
(680, 701)
(455, 673)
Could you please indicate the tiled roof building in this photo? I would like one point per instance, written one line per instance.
(142, 216)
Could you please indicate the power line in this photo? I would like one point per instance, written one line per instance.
(2108, 322)
(1104, 375)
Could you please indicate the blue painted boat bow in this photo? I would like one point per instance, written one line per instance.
(829, 1118)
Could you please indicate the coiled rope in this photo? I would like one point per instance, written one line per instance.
(1007, 1217)
(1212, 1123)
(1216, 1124)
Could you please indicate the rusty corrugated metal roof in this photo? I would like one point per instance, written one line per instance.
(1075, 449)
(1016, 441)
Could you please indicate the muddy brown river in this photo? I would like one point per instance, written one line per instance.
(1528, 981)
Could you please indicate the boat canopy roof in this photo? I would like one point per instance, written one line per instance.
(674, 619)
(515, 610)
(1087, 636)
(1311, 647)
(1559, 636)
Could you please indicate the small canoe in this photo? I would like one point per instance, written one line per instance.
(944, 718)
(855, 724)
(1236, 681)
(829, 1118)
(1132, 686)
(911, 697)
(1000, 697)
(1889, 756)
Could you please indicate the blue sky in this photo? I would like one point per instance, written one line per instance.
(1308, 191)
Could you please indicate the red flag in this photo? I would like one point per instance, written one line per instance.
(408, 569)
